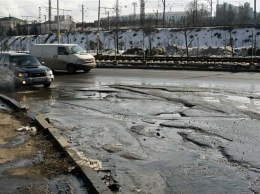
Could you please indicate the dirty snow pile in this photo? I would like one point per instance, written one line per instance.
(201, 41)
(94, 164)
(32, 130)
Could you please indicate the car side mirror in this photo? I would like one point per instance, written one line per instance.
(42, 62)
(66, 53)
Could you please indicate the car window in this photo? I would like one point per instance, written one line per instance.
(24, 61)
(62, 51)
(75, 49)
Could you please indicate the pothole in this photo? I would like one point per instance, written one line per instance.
(92, 94)
(169, 116)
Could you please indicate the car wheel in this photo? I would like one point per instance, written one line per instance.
(86, 70)
(71, 69)
(46, 85)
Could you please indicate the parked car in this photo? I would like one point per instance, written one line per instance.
(70, 57)
(26, 68)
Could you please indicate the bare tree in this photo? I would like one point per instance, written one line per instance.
(115, 26)
(188, 40)
(197, 14)
(148, 31)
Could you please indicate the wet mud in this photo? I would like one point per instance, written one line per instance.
(30, 162)
(161, 139)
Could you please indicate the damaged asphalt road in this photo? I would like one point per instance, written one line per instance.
(159, 138)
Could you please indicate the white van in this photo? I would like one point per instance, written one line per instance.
(70, 57)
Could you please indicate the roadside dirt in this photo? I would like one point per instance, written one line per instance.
(49, 162)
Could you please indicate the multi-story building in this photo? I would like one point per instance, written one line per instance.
(7, 23)
(225, 7)
(66, 24)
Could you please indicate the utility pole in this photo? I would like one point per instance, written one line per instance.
(117, 9)
(134, 5)
(108, 20)
(157, 14)
(45, 28)
(255, 26)
(142, 12)
(98, 27)
(40, 20)
(40, 15)
(196, 11)
(164, 2)
(58, 22)
(117, 27)
(49, 15)
(82, 18)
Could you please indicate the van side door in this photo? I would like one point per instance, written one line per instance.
(62, 58)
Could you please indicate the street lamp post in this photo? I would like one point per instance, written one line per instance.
(98, 27)
(58, 22)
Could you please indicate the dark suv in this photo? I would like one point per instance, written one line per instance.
(26, 68)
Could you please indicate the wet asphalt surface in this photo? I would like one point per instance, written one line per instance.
(160, 131)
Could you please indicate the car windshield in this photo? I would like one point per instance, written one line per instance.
(76, 49)
(24, 61)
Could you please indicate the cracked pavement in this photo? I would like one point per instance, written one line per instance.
(164, 139)
(160, 138)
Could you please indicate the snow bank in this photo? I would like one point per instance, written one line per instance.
(202, 41)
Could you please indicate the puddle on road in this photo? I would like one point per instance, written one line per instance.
(243, 107)
(169, 116)
(211, 99)
(256, 103)
(241, 99)
(90, 94)
(94, 93)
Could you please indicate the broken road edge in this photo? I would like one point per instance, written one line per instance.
(88, 174)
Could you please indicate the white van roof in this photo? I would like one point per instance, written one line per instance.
(56, 44)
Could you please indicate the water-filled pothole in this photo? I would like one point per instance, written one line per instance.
(91, 94)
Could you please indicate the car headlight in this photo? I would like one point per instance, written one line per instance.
(22, 74)
(80, 61)
(49, 72)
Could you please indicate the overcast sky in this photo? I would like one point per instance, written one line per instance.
(29, 9)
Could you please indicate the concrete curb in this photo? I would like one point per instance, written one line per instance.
(173, 66)
(11, 102)
(88, 174)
